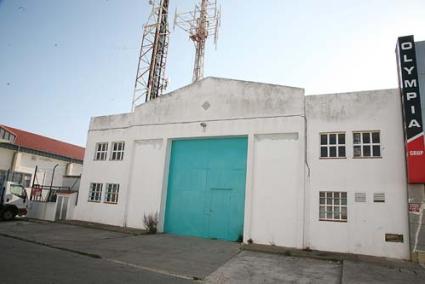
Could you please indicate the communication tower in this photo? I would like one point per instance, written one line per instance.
(200, 23)
(150, 79)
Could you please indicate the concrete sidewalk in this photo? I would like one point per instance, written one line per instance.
(257, 267)
(26, 262)
(184, 257)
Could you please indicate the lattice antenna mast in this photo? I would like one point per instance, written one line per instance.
(200, 23)
(150, 79)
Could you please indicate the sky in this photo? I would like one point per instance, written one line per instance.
(65, 61)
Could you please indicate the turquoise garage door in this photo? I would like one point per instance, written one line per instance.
(206, 188)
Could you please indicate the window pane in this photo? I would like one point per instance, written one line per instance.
(357, 151)
(329, 200)
(356, 138)
(341, 138)
(366, 151)
(343, 195)
(27, 180)
(323, 152)
(322, 212)
(341, 151)
(332, 139)
(366, 137)
(323, 139)
(17, 177)
(344, 213)
(376, 151)
(322, 200)
(375, 137)
(344, 201)
(332, 151)
(329, 212)
(336, 213)
(16, 190)
(322, 194)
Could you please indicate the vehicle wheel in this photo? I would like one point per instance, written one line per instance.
(8, 215)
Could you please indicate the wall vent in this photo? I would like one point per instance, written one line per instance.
(396, 238)
(360, 196)
(379, 197)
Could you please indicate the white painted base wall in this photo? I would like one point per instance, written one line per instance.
(42, 210)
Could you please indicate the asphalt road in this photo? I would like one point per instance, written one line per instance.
(25, 262)
(44, 252)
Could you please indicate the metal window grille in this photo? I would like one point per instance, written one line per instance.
(366, 144)
(112, 191)
(332, 206)
(95, 192)
(332, 145)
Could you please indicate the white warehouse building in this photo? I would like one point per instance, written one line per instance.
(261, 163)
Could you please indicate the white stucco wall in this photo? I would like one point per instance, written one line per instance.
(277, 212)
(284, 171)
(229, 108)
(364, 232)
(146, 193)
(6, 158)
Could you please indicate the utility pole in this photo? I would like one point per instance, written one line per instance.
(200, 23)
(150, 79)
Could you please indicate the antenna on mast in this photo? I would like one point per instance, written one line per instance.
(201, 22)
(150, 79)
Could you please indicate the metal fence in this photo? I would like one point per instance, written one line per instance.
(45, 193)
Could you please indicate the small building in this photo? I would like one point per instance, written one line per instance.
(261, 163)
(31, 159)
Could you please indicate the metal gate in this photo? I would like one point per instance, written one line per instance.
(206, 188)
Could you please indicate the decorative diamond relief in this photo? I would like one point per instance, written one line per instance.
(206, 105)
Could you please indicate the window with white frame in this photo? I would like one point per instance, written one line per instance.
(366, 144)
(332, 145)
(117, 151)
(101, 151)
(17, 177)
(333, 206)
(95, 192)
(111, 194)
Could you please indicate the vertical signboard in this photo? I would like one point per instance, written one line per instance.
(412, 113)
